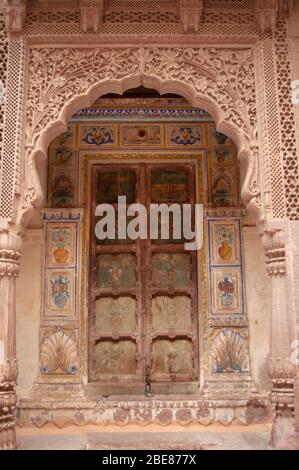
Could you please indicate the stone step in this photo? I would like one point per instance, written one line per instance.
(223, 439)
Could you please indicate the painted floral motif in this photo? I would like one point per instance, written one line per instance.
(222, 188)
(229, 352)
(186, 136)
(61, 240)
(59, 354)
(63, 155)
(65, 139)
(60, 291)
(224, 239)
(226, 290)
(62, 187)
(98, 136)
(221, 155)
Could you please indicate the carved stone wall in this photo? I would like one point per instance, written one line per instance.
(219, 23)
(219, 79)
(13, 133)
(245, 88)
(3, 66)
(287, 124)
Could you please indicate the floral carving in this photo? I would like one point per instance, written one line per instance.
(221, 77)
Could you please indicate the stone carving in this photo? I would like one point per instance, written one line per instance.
(222, 77)
(282, 374)
(10, 245)
(15, 14)
(267, 12)
(190, 14)
(273, 239)
(9, 263)
(142, 412)
(8, 400)
(92, 13)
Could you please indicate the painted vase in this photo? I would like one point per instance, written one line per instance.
(225, 251)
(61, 255)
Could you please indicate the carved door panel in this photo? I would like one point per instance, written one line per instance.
(143, 309)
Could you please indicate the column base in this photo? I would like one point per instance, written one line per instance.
(237, 392)
(283, 433)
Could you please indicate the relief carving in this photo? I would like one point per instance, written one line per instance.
(223, 78)
(8, 401)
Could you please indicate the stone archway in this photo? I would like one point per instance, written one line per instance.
(64, 80)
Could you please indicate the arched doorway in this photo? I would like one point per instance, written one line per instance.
(154, 318)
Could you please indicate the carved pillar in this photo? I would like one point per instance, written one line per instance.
(9, 270)
(282, 370)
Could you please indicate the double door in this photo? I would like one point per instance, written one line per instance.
(143, 292)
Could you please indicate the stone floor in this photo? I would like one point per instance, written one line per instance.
(215, 437)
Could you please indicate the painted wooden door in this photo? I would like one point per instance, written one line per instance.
(143, 292)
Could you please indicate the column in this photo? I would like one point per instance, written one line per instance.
(10, 245)
(282, 370)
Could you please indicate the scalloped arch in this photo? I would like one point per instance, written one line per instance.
(231, 109)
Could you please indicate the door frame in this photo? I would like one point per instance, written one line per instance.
(87, 161)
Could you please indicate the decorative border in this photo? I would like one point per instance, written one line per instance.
(232, 322)
(56, 320)
(141, 114)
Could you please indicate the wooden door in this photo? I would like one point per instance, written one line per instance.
(143, 293)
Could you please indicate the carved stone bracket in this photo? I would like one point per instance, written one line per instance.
(267, 12)
(8, 400)
(14, 13)
(92, 14)
(190, 14)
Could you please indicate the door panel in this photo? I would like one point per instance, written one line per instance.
(143, 293)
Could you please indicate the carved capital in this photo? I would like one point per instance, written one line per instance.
(190, 14)
(10, 245)
(92, 14)
(8, 375)
(273, 240)
(14, 12)
(282, 374)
